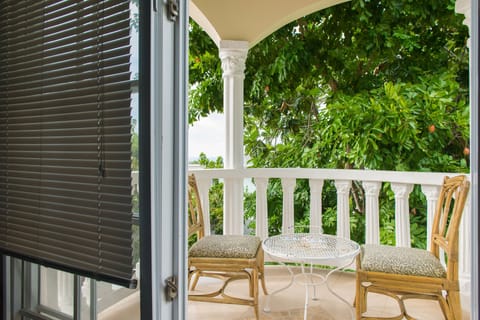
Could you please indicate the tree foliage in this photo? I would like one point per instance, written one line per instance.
(365, 84)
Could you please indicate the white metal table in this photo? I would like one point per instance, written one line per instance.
(309, 249)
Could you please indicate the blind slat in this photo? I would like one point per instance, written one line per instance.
(65, 134)
(66, 53)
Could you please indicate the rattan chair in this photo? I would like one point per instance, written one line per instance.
(406, 273)
(225, 257)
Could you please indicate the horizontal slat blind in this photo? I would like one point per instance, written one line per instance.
(65, 192)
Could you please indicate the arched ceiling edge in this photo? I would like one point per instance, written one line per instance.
(251, 20)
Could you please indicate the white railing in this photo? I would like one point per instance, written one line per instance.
(401, 183)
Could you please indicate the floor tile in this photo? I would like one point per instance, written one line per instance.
(289, 303)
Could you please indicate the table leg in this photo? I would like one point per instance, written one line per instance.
(334, 293)
(315, 298)
(266, 308)
(306, 301)
(309, 282)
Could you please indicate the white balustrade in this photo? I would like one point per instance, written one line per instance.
(261, 226)
(316, 186)
(288, 187)
(372, 224)
(343, 207)
(402, 214)
(371, 180)
(431, 193)
(203, 185)
(464, 250)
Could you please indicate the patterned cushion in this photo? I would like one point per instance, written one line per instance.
(407, 261)
(226, 246)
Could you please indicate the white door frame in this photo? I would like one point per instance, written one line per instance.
(168, 158)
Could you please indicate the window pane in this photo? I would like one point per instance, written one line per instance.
(56, 291)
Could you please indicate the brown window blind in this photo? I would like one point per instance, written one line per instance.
(65, 192)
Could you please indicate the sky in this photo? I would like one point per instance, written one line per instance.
(208, 136)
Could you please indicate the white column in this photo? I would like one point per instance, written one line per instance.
(261, 226)
(372, 228)
(316, 186)
(402, 217)
(288, 187)
(203, 185)
(431, 193)
(343, 207)
(233, 55)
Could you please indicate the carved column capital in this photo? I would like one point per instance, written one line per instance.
(343, 186)
(431, 192)
(233, 55)
(401, 190)
(316, 185)
(289, 184)
(371, 188)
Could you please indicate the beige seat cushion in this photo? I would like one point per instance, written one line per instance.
(226, 246)
(406, 261)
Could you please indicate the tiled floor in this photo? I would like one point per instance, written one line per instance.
(289, 304)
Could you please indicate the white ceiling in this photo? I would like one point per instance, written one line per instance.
(250, 20)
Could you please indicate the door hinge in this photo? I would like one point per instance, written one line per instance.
(171, 287)
(172, 9)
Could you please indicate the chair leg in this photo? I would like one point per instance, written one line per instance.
(195, 275)
(360, 297)
(363, 305)
(453, 301)
(251, 283)
(254, 285)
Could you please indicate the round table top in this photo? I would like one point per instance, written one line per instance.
(310, 247)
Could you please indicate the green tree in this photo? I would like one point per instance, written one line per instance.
(364, 84)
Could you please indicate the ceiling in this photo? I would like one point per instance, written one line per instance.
(250, 20)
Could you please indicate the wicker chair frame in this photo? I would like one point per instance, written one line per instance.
(225, 269)
(444, 240)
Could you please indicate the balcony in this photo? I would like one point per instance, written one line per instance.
(401, 184)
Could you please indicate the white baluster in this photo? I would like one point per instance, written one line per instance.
(464, 250)
(343, 207)
(203, 185)
(316, 186)
(372, 228)
(288, 187)
(261, 227)
(402, 217)
(431, 193)
(233, 206)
